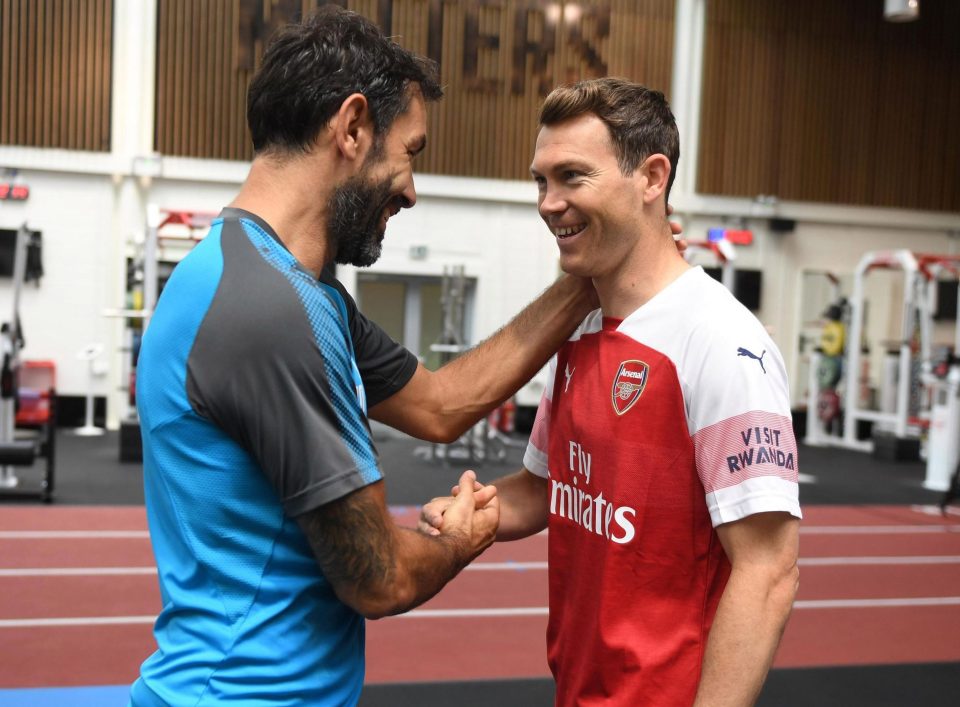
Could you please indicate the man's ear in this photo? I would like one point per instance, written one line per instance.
(656, 171)
(353, 127)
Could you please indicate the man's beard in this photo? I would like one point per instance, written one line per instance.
(353, 224)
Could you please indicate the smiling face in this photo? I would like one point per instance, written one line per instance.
(591, 208)
(360, 207)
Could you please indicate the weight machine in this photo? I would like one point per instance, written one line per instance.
(826, 368)
(920, 275)
(27, 416)
(909, 413)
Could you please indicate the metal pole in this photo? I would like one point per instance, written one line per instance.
(814, 429)
(910, 274)
(150, 263)
(851, 405)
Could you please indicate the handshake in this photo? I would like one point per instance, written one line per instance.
(470, 515)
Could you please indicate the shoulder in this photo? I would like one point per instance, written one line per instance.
(269, 319)
(727, 361)
(718, 323)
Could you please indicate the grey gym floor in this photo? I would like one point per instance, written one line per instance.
(89, 473)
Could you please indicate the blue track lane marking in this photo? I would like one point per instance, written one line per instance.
(102, 696)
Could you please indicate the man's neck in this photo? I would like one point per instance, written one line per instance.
(652, 265)
(289, 197)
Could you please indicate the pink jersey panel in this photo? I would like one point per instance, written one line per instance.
(747, 446)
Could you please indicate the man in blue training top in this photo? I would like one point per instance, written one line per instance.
(264, 494)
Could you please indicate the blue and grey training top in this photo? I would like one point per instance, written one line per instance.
(252, 386)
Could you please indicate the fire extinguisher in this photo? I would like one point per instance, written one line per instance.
(505, 421)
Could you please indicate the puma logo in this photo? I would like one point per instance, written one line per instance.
(749, 354)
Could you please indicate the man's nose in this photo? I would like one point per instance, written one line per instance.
(551, 202)
(408, 197)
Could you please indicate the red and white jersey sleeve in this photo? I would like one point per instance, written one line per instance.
(738, 412)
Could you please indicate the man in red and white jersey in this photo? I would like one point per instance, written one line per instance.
(663, 459)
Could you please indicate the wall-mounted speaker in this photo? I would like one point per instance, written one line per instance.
(782, 225)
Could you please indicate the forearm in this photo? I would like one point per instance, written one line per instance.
(523, 505)
(378, 568)
(422, 565)
(441, 406)
(744, 637)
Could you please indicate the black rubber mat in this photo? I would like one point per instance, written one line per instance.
(920, 685)
(479, 693)
(917, 685)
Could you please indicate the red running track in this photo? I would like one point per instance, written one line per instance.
(78, 592)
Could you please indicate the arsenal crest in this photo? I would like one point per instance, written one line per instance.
(628, 385)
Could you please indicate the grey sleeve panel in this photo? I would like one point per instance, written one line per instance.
(385, 365)
(260, 372)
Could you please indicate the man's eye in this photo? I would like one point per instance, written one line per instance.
(570, 174)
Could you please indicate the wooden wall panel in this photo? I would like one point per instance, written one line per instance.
(55, 73)
(498, 59)
(825, 101)
(200, 92)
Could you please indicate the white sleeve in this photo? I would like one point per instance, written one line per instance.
(739, 417)
(535, 458)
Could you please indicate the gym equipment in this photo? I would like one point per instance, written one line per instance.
(920, 272)
(828, 406)
(832, 337)
(824, 404)
(35, 430)
(452, 343)
(829, 370)
(11, 341)
(38, 413)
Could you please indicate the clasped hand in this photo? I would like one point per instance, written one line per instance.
(480, 508)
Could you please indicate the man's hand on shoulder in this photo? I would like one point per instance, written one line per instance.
(676, 229)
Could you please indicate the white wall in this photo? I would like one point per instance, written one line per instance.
(81, 271)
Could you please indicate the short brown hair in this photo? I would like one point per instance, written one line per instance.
(639, 119)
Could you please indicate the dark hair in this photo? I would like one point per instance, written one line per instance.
(638, 118)
(311, 67)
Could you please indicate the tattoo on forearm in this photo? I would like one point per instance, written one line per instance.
(351, 542)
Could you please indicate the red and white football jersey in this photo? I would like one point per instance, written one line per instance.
(656, 429)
